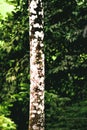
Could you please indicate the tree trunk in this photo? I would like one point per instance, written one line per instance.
(36, 112)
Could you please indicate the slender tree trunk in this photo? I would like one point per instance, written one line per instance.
(36, 112)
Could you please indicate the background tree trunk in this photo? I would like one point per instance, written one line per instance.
(36, 112)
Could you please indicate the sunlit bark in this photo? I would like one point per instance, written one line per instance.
(36, 111)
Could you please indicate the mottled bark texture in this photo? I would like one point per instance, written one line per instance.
(36, 112)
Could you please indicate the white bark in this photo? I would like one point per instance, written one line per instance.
(36, 112)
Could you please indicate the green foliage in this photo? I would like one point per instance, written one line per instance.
(60, 114)
(66, 64)
(4, 109)
(6, 123)
(55, 110)
(66, 73)
(76, 116)
(14, 66)
(4, 8)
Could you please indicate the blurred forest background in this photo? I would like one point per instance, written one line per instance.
(65, 62)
